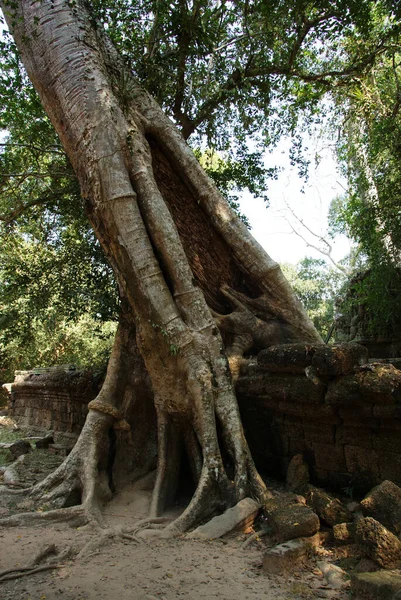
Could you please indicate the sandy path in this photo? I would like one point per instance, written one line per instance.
(147, 571)
(151, 570)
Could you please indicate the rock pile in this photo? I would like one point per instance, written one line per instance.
(368, 531)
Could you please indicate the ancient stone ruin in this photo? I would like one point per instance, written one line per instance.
(313, 415)
(354, 322)
(328, 403)
(54, 398)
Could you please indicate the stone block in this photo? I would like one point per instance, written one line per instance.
(390, 466)
(292, 427)
(378, 543)
(356, 436)
(19, 448)
(327, 360)
(297, 473)
(380, 585)
(381, 384)
(361, 422)
(286, 358)
(45, 441)
(344, 391)
(383, 503)
(388, 441)
(293, 409)
(338, 359)
(344, 532)
(285, 557)
(362, 465)
(281, 500)
(329, 509)
(329, 457)
(324, 414)
(294, 521)
(282, 388)
(365, 565)
(387, 411)
(335, 479)
(240, 516)
(317, 432)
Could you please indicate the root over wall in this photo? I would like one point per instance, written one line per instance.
(328, 403)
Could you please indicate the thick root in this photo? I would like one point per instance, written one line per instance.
(75, 516)
(24, 572)
(34, 566)
(75, 491)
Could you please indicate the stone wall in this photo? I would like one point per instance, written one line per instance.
(354, 320)
(326, 402)
(329, 404)
(52, 399)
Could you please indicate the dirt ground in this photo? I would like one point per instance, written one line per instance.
(157, 569)
(152, 569)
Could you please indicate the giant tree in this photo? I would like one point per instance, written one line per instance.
(197, 292)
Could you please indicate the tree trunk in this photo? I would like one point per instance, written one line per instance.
(184, 263)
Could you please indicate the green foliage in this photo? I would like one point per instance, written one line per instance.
(369, 304)
(58, 299)
(316, 285)
(370, 151)
(84, 342)
(55, 307)
(236, 77)
(57, 294)
(231, 72)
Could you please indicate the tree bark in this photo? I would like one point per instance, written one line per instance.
(198, 290)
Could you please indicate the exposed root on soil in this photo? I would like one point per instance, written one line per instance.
(101, 538)
(148, 523)
(75, 516)
(131, 538)
(34, 566)
(75, 491)
(17, 486)
(24, 572)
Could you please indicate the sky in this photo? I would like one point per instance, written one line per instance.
(270, 224)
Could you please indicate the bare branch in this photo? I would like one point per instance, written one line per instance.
(306, 27)
(235, 40)
(327, 247)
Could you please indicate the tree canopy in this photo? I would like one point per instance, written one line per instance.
(235, 77)
(369, 211)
